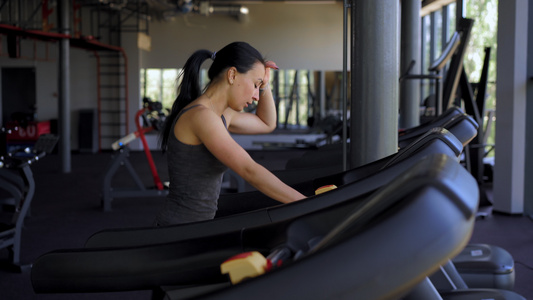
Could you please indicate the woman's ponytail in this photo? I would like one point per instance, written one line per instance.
(188, 90)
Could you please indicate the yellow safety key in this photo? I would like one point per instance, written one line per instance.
(244, 265)
(325, 188)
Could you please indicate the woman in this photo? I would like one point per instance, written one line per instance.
(197, 137)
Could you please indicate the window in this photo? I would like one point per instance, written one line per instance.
(291, 89)
(160, 85)
(438, 27)
(294, 97)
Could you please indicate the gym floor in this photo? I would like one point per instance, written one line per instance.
(66, 210)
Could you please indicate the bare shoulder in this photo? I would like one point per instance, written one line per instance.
(194, 112)
(194, 123)
(203, 122)
(195, 115)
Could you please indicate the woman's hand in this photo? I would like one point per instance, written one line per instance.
(268, 65)
(271, 64)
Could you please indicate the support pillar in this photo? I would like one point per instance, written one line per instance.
(375, 73)
(64, 88)
(509, 169)
(410, 52)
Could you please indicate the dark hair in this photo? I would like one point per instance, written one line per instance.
(240, 55)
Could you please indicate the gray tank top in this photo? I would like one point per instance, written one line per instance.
(195, 177)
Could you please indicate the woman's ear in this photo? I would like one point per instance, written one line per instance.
(232, 72)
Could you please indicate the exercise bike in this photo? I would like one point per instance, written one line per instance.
(153, 117)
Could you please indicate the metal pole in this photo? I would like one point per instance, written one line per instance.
(423, 49)
(64, 87)
(410, 52)
(528, 199)
(322, 105)
(344, 89)
(375, 73)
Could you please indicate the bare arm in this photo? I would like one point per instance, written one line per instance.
(263, 121)
(216, 138)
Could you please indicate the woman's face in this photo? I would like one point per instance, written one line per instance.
(247, 87)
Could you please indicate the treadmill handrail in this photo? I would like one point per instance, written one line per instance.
(447, 53)
(270, 214)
